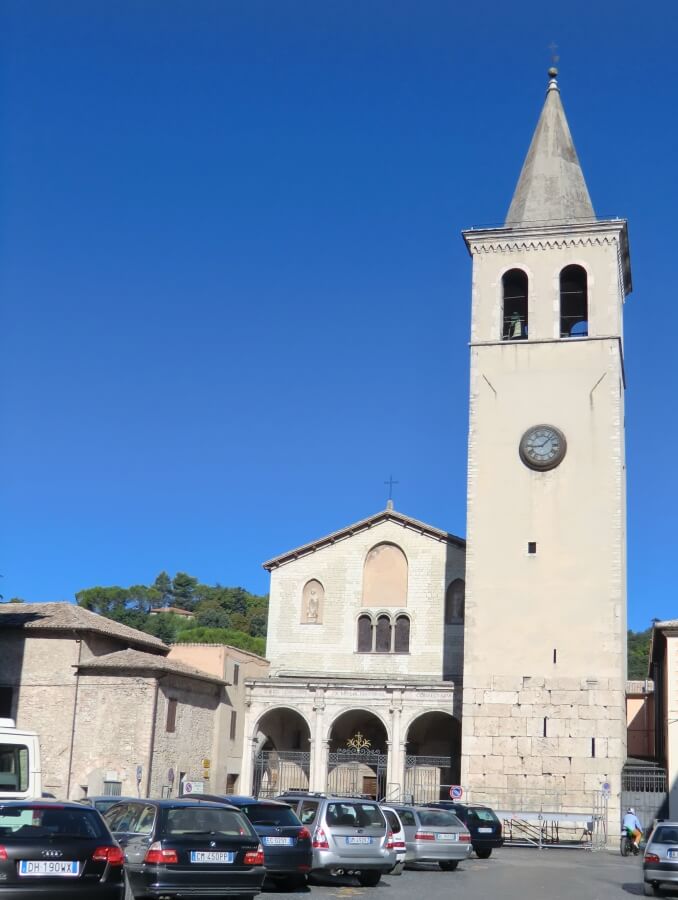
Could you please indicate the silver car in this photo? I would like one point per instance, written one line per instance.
(434, 836)
(350, 835)
(660, 860)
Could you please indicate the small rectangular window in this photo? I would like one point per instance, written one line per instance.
(531, 547)
(171, 723)
(593, 747)
(555, 656)
(545, 721)
(6, 694)
(234, 719)
(113, 788)
(236, 673)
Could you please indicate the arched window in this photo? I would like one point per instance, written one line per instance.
(454, 601)
(401, 642)
(364, 634)
(382, 643)
(514, 305)
(385, 577)
(574, 302)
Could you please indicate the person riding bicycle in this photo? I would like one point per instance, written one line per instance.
(633, 828)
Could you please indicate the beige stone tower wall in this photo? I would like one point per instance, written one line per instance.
(545, 633)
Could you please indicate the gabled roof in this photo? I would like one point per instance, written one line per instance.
(136, 662)
(551, 187)
(386, 515)
(69, 617)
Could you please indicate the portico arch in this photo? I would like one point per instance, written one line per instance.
(281, 752)
(432, 760)
(358, 743)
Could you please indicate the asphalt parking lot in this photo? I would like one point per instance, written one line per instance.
(509, 874)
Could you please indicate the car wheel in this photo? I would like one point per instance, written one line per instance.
(369, 879)
(484, 854)
(448, 865)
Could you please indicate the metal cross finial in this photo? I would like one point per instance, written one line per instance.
(554, 56)
(390, 484)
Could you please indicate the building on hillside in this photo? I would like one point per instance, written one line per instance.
(176, 610)
(234, 666)
(365, 643)
(105, 700)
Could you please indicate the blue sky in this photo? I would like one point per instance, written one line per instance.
(233, 293)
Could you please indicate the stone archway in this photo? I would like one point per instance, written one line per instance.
(432, 756)
(358, 754)
(281, 753)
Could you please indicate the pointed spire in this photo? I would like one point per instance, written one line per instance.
(551, 187)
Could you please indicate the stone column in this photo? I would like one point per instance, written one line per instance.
(246, 768)
(394, 771)
(318, 763)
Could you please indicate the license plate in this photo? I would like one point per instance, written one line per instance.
(672, 854)
(484, 831)
(447, 837)
(48, 868)
(278, 841)
(210, 856)
(359, 840)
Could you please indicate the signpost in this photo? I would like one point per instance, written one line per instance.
(193, 787)
(456, 792)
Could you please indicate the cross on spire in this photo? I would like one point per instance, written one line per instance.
(390, 484)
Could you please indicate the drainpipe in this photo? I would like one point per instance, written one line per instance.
(75, 711)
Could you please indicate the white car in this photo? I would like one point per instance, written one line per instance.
(399, 844)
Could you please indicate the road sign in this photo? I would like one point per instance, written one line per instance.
(456, 792)
(193, 787)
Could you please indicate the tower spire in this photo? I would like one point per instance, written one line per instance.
(551, 187)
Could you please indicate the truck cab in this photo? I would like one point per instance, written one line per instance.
(20, 775)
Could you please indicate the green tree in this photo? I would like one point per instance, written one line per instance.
(222, 636)
(183, 590)
(163, 585)
(107, 601)
(638, 653)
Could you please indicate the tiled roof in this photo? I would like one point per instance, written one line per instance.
(137, 662)
(69, 617)
(386, 515)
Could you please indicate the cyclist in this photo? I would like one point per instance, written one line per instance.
(632, 826)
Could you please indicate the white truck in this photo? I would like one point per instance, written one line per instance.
(20, 775)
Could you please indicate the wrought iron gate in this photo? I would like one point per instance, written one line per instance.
(357, 772)
(277, 771)
(427, 778)
(644, 789)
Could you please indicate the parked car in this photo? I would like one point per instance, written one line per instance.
(350, 835)
(187, 849)
(434, 836)
(398, 833)
(51, 849)
(481, 821)
(660, 860)
(104, 802)
(288, 855)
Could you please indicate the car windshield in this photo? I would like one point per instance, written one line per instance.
(28, 822)
(481, 815)
(265, 814)
(183, 820)
(438, 818)
(354, 815)
(665, 835)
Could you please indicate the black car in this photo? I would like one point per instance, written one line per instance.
(481, 821)
(288, 853)
(52, 849)
(187, 848)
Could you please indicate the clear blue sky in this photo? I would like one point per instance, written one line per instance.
(233, 294)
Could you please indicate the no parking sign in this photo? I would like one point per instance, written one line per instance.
(456, 792)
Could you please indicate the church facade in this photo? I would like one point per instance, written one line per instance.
(390, 637)
(366, 650)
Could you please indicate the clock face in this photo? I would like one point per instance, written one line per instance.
(542, 447)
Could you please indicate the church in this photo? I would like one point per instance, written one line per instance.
(405, 660)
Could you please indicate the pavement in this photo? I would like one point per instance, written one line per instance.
(509, 874)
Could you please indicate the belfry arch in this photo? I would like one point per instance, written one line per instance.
(432, 756)
(281, 752)
(358, 754)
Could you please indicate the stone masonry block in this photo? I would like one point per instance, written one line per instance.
(501, 697)
(534, 695)
(488, 726)
(581, 765)
(512, 727)
(533, 681)
(522, 711)
(505, 746)
(476, 765)
(507, 682)
(556, 765)
(534, 727)
(502, 710)
(592, 712)
(494, 765)
(524, 746)
(477, 745)
(567, 698)
(546, 746)
(563, 684)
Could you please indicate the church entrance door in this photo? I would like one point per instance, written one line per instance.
(357, 759)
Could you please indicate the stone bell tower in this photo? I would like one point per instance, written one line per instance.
(545, 633)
